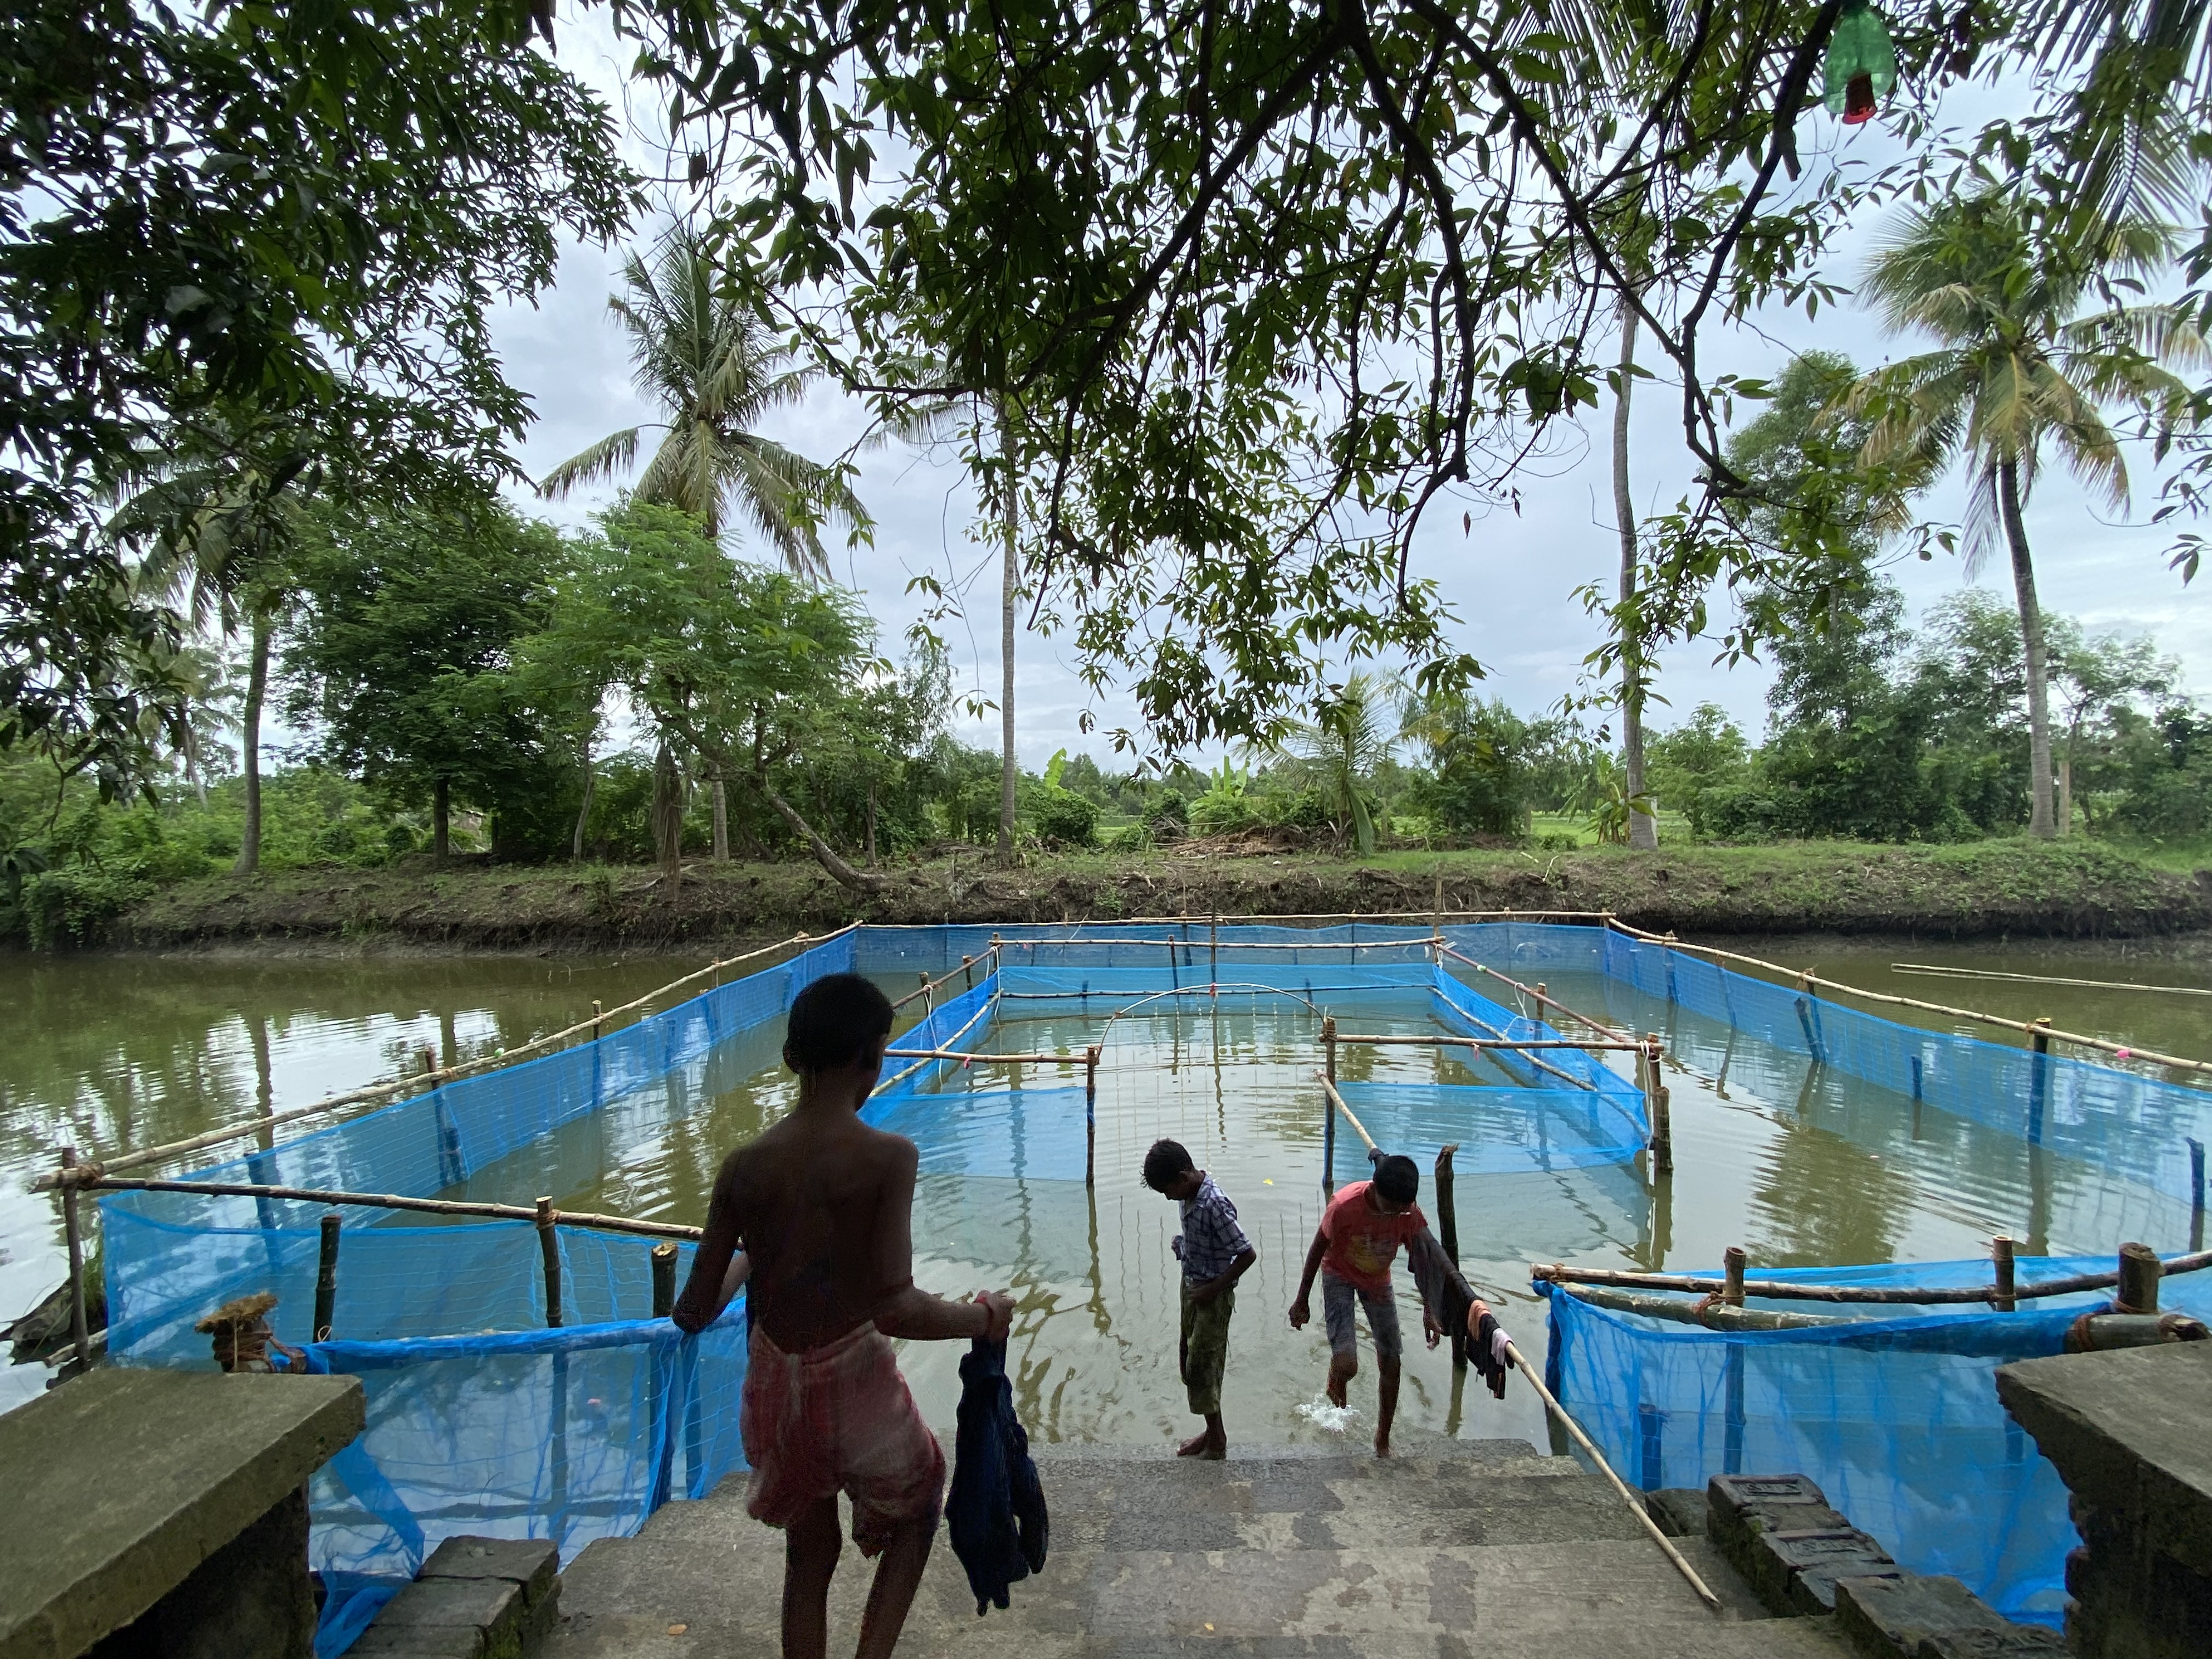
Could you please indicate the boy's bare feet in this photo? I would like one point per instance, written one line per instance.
(1195, 1446)
(1382, 1443)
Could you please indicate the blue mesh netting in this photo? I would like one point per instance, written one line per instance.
(2134, 1126)
(1895, 1415)
(481, 1420)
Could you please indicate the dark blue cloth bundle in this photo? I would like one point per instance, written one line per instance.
(995, 1513)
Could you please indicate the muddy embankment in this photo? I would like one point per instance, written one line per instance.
(1986, 890)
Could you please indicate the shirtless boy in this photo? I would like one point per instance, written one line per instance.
(822, 1204)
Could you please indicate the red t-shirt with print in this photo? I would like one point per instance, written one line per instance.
(1362, 1242)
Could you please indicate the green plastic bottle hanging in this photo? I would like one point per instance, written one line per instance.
(1861, 65)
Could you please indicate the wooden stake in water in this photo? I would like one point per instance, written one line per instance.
(80, 1331)
(664, 1280)
(1329, 1108)
(1090, 1113)
(2005, 1279)
(1732, 1264)
(2140, 1272)
(549, 1246)
(327, 1279)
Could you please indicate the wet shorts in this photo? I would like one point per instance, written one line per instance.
(835, 1418)
(1336, 1296)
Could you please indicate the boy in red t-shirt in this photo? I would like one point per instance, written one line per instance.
(1352, 1249)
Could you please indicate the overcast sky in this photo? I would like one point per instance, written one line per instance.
(1512, 583)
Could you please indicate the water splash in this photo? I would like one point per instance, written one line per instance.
(1322, 1415)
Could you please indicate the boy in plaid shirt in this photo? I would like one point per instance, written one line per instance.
(1215, 1255)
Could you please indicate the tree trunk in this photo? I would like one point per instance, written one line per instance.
(249, 743)
(667, 813)
(721, 821)
(872, 823)
(2040, 819)
(827, 855)
(1010, 585)
(441, 820)
(583, 807)
(2065, 798)
(1643, 828)
(193, 775)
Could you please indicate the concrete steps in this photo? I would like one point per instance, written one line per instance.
(1473, 1548)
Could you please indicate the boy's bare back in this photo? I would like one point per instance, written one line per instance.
(823, 1204)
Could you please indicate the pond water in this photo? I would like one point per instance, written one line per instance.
(111, 1052)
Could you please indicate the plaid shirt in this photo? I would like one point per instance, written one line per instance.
(1211, 1238)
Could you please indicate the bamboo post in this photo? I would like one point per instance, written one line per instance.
(549, 1246)
(2140, 1272)
(1559, 1413)
(2195, 1195)
(1662, 1132)
(2038, 1088)
(72, 1229)
(1090, 1113)
(1213, 954)
(599, 1017)
(1328, 1113)
(1732, 1262)
(967, 973)
(929, 1002)
(327, 1279)
(1446, 1215)
(2000, 1260)
(1447, 1236)
(664, 1280)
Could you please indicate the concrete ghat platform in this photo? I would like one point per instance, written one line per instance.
(1455, 1548)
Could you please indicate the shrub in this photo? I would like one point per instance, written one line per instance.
(1061, 816)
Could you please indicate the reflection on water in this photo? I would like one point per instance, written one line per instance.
(1800, 1164)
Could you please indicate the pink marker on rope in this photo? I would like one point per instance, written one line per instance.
(2123, 1053)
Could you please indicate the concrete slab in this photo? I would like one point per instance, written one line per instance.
(2126, 1431)
(151, 1473)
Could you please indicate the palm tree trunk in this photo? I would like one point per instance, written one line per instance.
(257, 686)
(2041, 821)
(1643, 828)
(721, 796)
(1010, 585)
(441, 819)
(193, 775)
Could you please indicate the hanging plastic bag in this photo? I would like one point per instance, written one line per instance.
(1861, 65)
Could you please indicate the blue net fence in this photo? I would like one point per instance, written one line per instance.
(1895, 1416)
(481, 1419)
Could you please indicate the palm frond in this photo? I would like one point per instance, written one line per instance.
(604, 460)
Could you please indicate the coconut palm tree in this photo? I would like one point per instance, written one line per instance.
(2021, 364)
(1339, 749)
(706, 360)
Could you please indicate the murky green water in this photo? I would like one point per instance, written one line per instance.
(112, 1053)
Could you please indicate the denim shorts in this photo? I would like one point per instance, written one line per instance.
(1336, 1296)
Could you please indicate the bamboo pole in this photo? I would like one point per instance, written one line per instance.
(1173, 944)
(1714, 1316)
(387, 1089)
(1336, 1102)
(1539, 991)
(1447, 1236)
(327, 1279)
(1213, 954)
(549, 1246)
(607, 1223)
(2046, 979)
(1090, 1113)
(1800, 1291)
(1635, 1506)
(982, 1058)
(72, 1232)
(1328, 1117)
(2002, 1266)
(1732, 1266)
(1811, 979)
(1600, 1044)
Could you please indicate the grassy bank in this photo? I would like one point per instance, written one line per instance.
(1979, 889)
